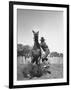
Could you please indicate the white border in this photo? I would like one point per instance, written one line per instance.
(64, 79)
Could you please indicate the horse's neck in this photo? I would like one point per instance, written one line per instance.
(36, 45)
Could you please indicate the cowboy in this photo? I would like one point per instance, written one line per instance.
(44, 48)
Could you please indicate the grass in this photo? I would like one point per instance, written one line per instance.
(24, 69)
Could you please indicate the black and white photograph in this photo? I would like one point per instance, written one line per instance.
(40, 44)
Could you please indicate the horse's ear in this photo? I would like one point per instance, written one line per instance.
(33, 31)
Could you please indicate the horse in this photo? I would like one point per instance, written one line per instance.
(36, 50)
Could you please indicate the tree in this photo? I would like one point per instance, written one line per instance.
(19, 50)
(54, 54)
(26, 51)
(23, 50)
(61, 54)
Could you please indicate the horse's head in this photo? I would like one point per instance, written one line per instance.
(35, 34)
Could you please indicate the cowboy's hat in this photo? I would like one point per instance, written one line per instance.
(42, 39)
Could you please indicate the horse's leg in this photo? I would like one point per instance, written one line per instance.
(43, 59)
(32, 61)
(39, 58)
(37, 61)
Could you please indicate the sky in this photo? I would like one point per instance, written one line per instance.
(48, 23)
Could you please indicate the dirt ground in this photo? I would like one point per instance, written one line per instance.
(55, 69)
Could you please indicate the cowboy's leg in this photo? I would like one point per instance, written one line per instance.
(44, 58)
(45, 55)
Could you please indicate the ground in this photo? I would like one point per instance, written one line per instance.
(55, 69)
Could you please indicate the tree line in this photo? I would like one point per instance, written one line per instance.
(56, 54)
(25, 50)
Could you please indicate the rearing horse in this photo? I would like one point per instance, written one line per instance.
(36, 50)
